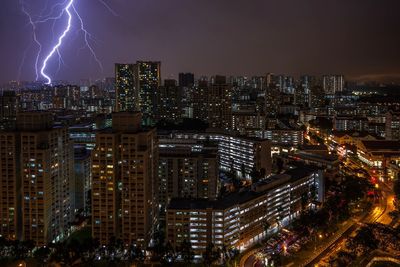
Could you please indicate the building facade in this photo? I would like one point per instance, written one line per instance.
(187, 169)
(127, 98)
(148, 79)
(237, 221)
(43, 178)
(9, 106)
(333, 84)
(236, 153)
(124, 181)
(219, 104)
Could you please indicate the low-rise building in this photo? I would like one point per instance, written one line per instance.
(236, 153)
(379, 153)
(238, 220)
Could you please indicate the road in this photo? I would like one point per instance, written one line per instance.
(379, 214)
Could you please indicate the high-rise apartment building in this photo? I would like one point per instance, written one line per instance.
(187, 169)
(333, 84)
(392, 125)
(186, 79)
(199, 101)
(127, 98)
(148, 79)
(124, 181)
(9, 182)
(169, 101)
(219, 104)
(83, 179)
(303, 92)
(37, 171)
(236, 154)
(8, 109)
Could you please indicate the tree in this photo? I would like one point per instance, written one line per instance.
(255, 175)
(313, 192)
(42, 254)
(112, 246)
(136, 253)
(365, 239)
(280, 216)
(186, 251)
(266, 225)
(396, 191)
(279, 164)
(210, 255)
(304, 201)
(355, 188)
(169, 255)
(344, 258)
(263, 173)
(243, 170)
(3, 247)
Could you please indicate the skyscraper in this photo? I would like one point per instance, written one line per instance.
(333, 84)
(8, 109)
(124, 171)
(169, 101)
(37, 168)
(186, 79)
(148, 79)
(127, 98)
(219, 104)
(199, 101)
(187, 169)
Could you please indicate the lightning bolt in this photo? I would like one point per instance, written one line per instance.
(108, 8)
(86, 34)
(59, 43)
(67, 9)
(34, 36)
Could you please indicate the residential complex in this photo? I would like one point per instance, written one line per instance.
(37, 179)
(237, 221)
(124, 181)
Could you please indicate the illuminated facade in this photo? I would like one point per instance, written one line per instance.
(127, 98)
(333, 84)
(283, 137)
(187, 170)
(9, 106)
(124, 184)
(148, 79)
(219, 104)
(235, 152)
(237, 221)
(9, 181)
(169, 98)
(248, 121)
(378, 153)
(392, 125)
(42, 159)
(199, 101)
(345, 123)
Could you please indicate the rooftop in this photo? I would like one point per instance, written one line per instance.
(382, 145)
(245, 194)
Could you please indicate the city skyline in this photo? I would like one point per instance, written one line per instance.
(236, 39)
(199, 133)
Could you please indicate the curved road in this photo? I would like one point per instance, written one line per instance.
(380, 213)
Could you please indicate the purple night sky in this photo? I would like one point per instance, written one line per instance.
(357, 38)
